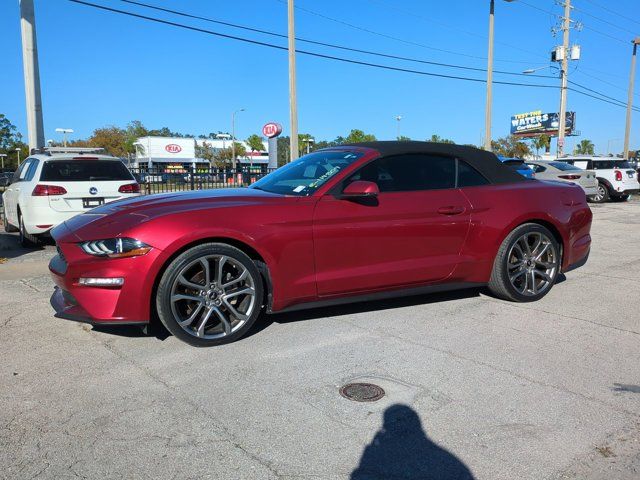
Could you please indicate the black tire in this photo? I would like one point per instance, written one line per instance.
(620, 198)
(501, 285)
(7, 226)
(603, 194)
(176, 268)
(27, 240)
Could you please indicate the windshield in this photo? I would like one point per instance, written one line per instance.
(84, 171)
(563, 166)
(304, 176)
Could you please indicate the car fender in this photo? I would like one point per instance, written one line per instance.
(192, 238)
(606, 182)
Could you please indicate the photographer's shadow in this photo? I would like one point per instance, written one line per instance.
(402, 450)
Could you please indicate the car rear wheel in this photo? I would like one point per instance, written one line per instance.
(210, 295)
(526, 265)
(601, 195)
(26, 239)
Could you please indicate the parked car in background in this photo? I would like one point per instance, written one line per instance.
(518, 165)
(53, 186)
(5, 179)
(617, 179)
(564, 172)
(343, 224)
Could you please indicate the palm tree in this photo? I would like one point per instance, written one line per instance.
(539, 142)
(585, 147)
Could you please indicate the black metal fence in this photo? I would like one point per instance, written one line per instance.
(161, 179)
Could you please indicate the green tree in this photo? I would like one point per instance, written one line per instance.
(541, 141)
(206, 152)
(510, 146)
(585, 147)
(255, 143)
(402, 138)
(113, 139)
(10, 140)
(356, 136)
(438, 139)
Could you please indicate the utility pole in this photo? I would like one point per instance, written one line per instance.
(293, 100)
(398, 118)
(487, 112)
(35, 125)
(566, 25)
(632, 75)
(233, 138)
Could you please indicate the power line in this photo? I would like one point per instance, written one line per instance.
(447, 26)
(303, 52)
(613, 11)
(620, 102)
(601, 99)
(330, 57)
(618, 87)
(324, 44)
(391, 37)
(603, 20)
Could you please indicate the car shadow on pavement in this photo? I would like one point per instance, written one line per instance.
(402, 449)
(361, 307)
(10, 246)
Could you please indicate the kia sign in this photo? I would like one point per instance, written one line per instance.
(173, 148)
(271, 130)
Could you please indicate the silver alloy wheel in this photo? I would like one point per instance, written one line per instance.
(600, 193)
(532, 263)
(213, 296)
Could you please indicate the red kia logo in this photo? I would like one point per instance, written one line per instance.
(173, 148)
(271, 130)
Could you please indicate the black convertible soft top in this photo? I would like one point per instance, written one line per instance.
(485, 162)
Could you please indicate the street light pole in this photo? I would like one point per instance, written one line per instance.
(18, 152)
(293, 99)
(398, 118)
(632, 75)
(2, 157)
(487, 112)
(566, 25)
(233, 137)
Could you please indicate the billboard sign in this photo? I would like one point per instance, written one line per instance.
(536, 123)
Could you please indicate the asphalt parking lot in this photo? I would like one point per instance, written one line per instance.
(475, 387)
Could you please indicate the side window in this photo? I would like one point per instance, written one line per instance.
(411, 172)
(21, 171)
(469, 176)
(31, 170)
(536, 168)
(582, 164)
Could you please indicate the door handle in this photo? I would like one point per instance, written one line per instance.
(451, 210)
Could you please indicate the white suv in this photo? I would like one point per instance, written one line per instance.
(617, 179)
(51, 187)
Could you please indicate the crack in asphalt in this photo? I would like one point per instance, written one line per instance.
(532, 380)
(231, 440)
(533, 309)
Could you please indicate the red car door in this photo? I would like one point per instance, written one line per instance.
(412, 234)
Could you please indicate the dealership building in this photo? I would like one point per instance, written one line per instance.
(176, 153)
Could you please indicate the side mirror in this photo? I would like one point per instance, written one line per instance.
(360, 189)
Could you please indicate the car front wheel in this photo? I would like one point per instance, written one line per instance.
(210, 295)
(526, 265)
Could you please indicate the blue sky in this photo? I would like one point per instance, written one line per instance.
(99, 68)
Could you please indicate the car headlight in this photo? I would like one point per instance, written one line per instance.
(115, 247)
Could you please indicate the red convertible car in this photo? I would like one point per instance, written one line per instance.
(343, 224)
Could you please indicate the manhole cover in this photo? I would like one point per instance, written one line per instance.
(362, 392)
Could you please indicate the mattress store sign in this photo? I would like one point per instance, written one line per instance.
(536, 123)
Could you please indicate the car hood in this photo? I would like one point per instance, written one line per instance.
(134, 211)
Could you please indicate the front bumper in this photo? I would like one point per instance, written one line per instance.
(126, 304)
